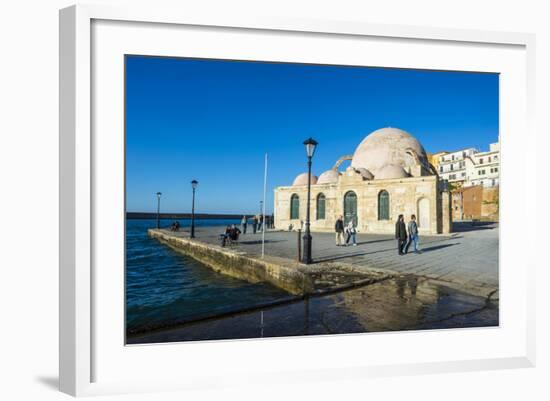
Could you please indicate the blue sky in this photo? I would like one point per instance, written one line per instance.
(214, 120)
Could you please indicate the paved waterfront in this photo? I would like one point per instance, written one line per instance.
(468, 258)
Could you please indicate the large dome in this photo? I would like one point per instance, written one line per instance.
(388, 146)
(302, 179)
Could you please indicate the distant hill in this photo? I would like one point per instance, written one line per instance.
(146, 215)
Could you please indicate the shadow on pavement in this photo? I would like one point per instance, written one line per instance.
(437, 247)
(256, 242)
(464, 226)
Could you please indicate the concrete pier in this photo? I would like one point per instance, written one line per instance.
(284, 273)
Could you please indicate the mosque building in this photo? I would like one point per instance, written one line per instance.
(389, 175)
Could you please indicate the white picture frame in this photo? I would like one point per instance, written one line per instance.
(79, 346)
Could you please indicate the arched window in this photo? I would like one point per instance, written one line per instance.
(321, 207)
(294, 207)
(383, 205)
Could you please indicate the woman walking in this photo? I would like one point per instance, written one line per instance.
(351, 232)
(413, 234)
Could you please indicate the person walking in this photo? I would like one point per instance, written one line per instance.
(254, 224)
(412, 228)
(260, 222)
(244, 223)
(351, 233)
(339, 228)
(400, 234)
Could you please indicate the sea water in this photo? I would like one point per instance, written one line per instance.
(165, 287)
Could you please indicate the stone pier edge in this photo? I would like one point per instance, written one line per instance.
(283, 273)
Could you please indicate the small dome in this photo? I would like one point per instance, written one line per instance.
(328, 177)
(391, 171)
(366, 174)
(302, 179)
(388, 146)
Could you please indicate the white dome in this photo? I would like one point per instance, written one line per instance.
(388, 146)
(366, 174)
(389, 172)
(328, 177)
(302, 179)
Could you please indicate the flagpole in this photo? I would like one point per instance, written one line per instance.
(263, 206)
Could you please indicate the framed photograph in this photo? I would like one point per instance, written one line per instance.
(253, 199)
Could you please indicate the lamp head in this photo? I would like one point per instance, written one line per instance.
(310, 145)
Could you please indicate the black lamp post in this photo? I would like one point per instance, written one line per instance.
(194, 184)
(310, 145)
(158, 209)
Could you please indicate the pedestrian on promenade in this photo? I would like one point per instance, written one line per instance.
(255, 224)
(244, 223)
(260, 222)
(400, 234)
(350, 233)
(339, 228)
(272, 220)
(412, 228)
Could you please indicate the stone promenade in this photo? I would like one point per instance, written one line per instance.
(468, 258)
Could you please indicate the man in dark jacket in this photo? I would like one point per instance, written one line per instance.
(254, 224)
(400, 234)
(339, 228)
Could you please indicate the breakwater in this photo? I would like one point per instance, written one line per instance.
(286, 274)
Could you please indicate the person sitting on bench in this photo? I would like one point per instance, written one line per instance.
(234, 233)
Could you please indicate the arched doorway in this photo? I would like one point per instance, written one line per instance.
(423, 213)
(350, 207)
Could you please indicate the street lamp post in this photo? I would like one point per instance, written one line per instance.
(194, 184)
(158, 209)
(310, 145)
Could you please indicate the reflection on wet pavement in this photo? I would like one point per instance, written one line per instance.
(402, 303)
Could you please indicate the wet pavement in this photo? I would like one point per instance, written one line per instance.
(406, 302)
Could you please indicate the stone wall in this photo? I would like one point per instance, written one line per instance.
(238, 265)
(476, 202)
(490, 203)
(407, 196)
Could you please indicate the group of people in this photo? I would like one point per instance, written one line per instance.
(349, 230)
(175, 226)
(231, 234)
(257, 223)
(406, 234)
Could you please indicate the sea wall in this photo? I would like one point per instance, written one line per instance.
(239, 265)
